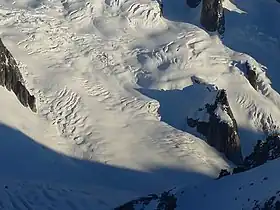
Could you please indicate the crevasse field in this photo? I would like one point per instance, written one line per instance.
(113, 82)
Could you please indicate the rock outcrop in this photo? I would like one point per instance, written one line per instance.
(220, 129)
(272, 203)
(212, 16)
(11, 78)
(251, 75)
(265, 150)
(164, 201)
(223, 172)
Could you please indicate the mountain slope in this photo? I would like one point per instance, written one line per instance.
(254, 189)
(113, 82)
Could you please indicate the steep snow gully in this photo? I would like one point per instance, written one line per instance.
(132, 97)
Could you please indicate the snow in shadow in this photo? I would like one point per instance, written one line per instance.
(206, 14)
(249, 139)
(176, 105)
(179, 11)
(24, 159)
(256, 32)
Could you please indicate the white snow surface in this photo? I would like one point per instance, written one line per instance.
(113, 83)
(223, 115)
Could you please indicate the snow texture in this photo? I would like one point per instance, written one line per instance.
(114, 81)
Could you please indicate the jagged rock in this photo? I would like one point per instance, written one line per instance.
(239, 169)
(272, 203)
(251, 75)
(164, 201)
(11, 78)
(268, 149)
(212, 16)
(200, 81)
(221, 128)
(223, 173)
(264, 150)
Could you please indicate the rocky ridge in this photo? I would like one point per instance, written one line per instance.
(221, 129)
(11, 78)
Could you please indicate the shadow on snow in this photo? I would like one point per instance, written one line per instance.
(176, 105)
(255, 32)
(24, 159)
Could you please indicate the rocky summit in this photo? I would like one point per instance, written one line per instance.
(221, 129)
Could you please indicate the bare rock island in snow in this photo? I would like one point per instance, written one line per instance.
(212, 16)
(221, 128)
(11, 78)
(165, 200)
(251, 75)
(264, 150)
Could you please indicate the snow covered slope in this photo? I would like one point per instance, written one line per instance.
(255, 189)
(113, 81)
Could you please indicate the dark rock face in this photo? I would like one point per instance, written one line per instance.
(264, 150)
(268, 149)
(221, 129)
(223, 173)
(251, 75)
(11, 78)
(212, 15)
(165, 201)
(272, 203)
